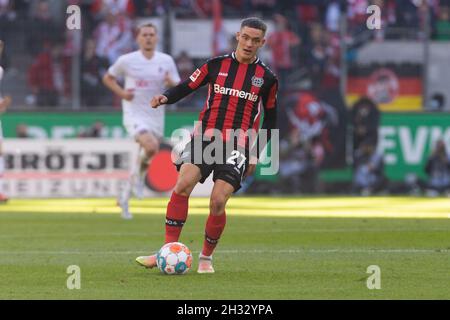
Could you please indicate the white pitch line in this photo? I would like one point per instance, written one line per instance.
(243, 231)
(295, 251)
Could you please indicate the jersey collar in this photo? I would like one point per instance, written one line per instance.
(233, 55)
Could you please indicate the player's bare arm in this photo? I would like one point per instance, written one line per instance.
(169, 82)
(5, 103)
(111, 83)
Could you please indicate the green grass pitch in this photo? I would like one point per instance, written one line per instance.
(283, 248)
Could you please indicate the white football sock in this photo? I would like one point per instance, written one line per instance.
(202, 256)
(2, 171)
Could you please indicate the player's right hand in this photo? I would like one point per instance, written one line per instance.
(158, 100)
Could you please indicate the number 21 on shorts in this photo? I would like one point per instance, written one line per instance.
(235, 155)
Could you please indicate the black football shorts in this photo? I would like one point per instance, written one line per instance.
(230, 164)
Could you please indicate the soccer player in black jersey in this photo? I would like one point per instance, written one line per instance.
(239, 85)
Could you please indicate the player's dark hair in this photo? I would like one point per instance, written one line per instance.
(146, 25)
(255, 23)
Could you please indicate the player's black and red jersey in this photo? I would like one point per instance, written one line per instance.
(236, 92)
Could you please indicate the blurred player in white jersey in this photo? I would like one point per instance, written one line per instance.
(146, 72)
(4, 104)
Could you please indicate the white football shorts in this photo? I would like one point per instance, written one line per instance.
(137, 125)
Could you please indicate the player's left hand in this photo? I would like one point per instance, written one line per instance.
(250, 171)
(158, 100)
(251, 167)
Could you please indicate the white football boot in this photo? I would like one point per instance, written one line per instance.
(205, 264)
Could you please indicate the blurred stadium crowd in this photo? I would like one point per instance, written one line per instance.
(305, 51)
(306, 39)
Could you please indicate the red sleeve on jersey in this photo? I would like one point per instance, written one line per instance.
(198, 77)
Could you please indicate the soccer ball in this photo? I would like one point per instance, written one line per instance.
(174, 258)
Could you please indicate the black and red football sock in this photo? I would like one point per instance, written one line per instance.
(214, 228)
(177, 211)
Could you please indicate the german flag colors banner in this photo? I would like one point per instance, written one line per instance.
(393, 87)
